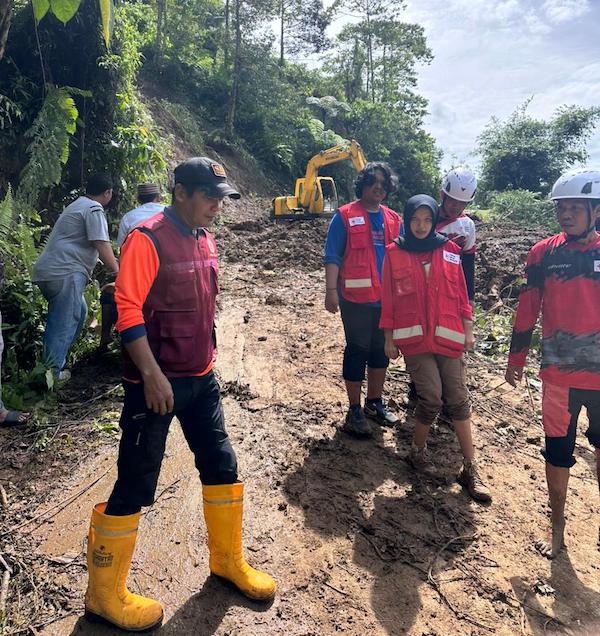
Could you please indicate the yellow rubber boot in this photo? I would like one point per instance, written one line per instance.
(223, 511)
(111, 542)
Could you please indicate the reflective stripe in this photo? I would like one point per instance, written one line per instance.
(355, 283)
(223, 501)
(450, 334)
(407, 332)
(112, 533)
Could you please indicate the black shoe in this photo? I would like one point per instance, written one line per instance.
(356, 424)
(376, 410)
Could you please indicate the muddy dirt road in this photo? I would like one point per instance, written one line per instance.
(358, 543)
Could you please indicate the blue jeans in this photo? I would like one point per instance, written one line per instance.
(66, 316)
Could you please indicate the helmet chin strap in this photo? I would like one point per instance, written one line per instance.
(590, 228)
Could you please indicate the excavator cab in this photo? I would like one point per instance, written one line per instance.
(328, 197)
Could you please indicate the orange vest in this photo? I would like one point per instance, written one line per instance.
(358, 275)
(427, 312)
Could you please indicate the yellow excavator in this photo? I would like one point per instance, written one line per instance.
(315, 196)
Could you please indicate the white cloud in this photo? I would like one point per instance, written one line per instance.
(501, 53)
(492, 55)
(559, 11)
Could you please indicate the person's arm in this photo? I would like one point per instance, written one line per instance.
(139, 268)
(106, 254)
(468, 265)
(157, 388)
(528, 309)
(466, 312)
(468, 258)
(332, 302)
(386, 322)
(335, 246)
(469, 336)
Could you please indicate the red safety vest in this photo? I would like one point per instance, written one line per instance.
(358, 275)
(179, 312)
(427, 312)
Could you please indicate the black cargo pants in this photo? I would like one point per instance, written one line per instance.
(144, 435)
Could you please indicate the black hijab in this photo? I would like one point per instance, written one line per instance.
(409, 241)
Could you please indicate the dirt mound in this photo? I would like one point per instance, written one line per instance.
(270, 244)
(500, 260)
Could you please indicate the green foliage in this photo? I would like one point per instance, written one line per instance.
(22, 309)
(65, 10)
(524, 207)
(493, 333)
(10, 112)
(524, 153)
(48, 149)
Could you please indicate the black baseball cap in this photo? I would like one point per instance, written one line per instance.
(205, 172)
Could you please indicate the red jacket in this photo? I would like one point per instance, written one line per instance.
(425, 313)
(179, 310)
(358, 275)
(563, 282)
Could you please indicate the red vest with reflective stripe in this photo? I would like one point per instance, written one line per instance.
(427, 311)
(359, 278)
(179, 312)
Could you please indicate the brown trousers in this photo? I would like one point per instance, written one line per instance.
(439, 381)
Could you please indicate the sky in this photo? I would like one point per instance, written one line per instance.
(492, 55)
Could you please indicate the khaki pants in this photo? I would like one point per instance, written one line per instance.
(439, 380)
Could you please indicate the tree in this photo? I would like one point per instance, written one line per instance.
(245, 13)
(530, 154)
(6, 9)
(377, 61)
(302, 26)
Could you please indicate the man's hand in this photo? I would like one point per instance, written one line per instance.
(158, 393)
(332, 302)
(514, 374)
(391, 350)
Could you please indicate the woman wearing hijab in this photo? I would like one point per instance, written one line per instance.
(427, 316)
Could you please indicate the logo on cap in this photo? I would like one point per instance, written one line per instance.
(218, 170)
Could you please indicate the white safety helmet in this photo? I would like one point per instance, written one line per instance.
(460, 184)
(577, 184)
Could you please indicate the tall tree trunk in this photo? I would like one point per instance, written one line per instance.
(237, 66)
(384, 65)
(6, 8)
(281, 33)
(226, 39)
(370, 59)
(160, 22)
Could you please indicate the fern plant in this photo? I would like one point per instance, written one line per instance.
(49, 147)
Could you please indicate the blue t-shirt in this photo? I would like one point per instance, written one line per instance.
(335, 245)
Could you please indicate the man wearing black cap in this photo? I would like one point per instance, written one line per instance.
(165, 294)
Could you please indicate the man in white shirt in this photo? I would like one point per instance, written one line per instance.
(148, 196)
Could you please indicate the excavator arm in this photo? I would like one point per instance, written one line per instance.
(315, 195)
(324, 158)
